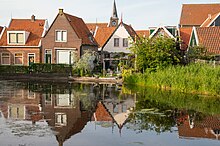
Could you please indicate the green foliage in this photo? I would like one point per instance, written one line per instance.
(50, 68)
(85, 64)
(36, 68)
(5, 69)
(155, 53)
(199, 52)
(192, 78)
(160, 110)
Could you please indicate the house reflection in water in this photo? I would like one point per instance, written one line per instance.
(114, 107)
(192, 126)
(65, 114)
(21, 105)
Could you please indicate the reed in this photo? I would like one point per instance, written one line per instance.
(199, 78)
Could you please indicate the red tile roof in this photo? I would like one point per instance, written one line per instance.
(143, 33)
(1, 28)
(130, 30)
(103, 34)
(209, 37)
(209, 20)
(81, 29)
(92, 26)
(196, 14)
(102, 114)
(201, 129)
(35, 28)
(185, 34)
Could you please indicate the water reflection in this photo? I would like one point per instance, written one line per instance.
(198, 126)
(65, 110)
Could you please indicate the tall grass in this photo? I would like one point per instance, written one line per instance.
(192, 78)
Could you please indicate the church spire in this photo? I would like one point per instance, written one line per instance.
(114, 12)
(114, 17)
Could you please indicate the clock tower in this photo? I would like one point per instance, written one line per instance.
(114, 18)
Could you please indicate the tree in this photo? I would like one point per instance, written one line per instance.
(155, 53)
(199, 52)
(86, 63)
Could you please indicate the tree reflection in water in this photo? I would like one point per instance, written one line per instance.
(68, 107)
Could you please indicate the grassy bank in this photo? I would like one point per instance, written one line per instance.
(198, 78)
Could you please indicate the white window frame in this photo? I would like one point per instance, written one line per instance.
(25, 35)
(63, 122)
(61, 35)
(22, 58)
(8, 57)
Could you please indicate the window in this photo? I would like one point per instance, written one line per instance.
(60, 119)
(31, 95)
(125, 42)
(16, 38)
(116, 42)
(61, 35)
(18, 58)
(48, 56)
(5, 59)
(63, 100)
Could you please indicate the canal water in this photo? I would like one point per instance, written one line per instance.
(67, 114)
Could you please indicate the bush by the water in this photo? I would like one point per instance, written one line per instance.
(191, 78)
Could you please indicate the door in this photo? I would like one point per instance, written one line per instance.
(31, 59)
(48, 56)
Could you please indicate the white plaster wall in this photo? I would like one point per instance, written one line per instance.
(120, 33)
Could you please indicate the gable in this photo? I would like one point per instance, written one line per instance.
(161, 31)
(61, 23)
(193, 39)
(120, 33)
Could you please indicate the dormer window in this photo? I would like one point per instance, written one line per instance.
(17, 37)
(61, 35)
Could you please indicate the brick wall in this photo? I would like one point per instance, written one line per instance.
(24, 51)
(48, 42)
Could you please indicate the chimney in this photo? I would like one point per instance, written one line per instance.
(32, 18)
(61, 11)
(210, 16)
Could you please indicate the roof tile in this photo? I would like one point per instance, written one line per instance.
(36, 29)
(209, 37)
(143, 33)
(81, 29)
(103, 34)
(185, 34)
(196, 14)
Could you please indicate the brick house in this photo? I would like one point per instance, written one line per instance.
(20, 43)
(67, 35)
(197, 15)
(208, 37)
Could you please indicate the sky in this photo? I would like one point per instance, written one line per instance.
(141, 14)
